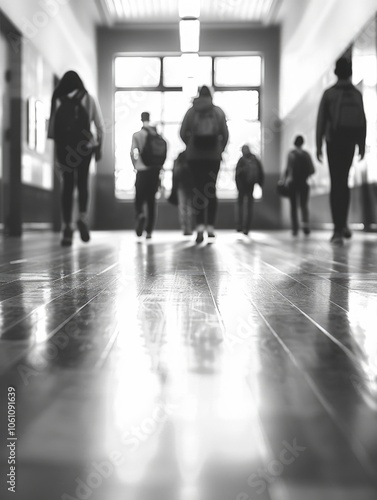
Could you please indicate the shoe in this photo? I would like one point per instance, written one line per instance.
(187, 233)
(67, 237)
(246, 232)
(211, 234)
(139, 227)
(306, 231)
(199, 237)
(337, 239)
(239, 230)
(148, 236)
(347, 233)
(84, 231)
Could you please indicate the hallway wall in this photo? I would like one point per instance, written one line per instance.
(165, 39)
(62, 31)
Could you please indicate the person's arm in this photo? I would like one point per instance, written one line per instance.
(51, 121)
(260, 172)
(100, 126)
(361, 144)
(135, 150)
(223, 130)
(185, 131)
(288, 174)
(321, 126)
(311, 169)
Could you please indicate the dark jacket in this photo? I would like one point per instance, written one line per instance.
(328, 110)
(300, 166)
(182, 176)
(245, 180)
(192, 151)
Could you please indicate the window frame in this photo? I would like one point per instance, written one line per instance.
(162, 88)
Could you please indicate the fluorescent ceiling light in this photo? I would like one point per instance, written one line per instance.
(189, 8)
(189, 34)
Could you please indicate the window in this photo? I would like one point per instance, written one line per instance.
(235, 81)
(243, 71)
(137, 71)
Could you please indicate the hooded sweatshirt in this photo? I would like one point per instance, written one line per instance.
(204, 103)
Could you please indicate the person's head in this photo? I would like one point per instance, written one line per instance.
(299, 141)
(145, 117)
(343, 68)
(69, 82)
(205, 91)
(245, 150)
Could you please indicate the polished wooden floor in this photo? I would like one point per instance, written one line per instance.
(161, 370)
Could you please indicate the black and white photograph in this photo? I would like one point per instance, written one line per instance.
(188, 250)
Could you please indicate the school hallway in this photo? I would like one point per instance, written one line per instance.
(243, 369)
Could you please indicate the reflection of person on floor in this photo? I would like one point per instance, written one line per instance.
(147, 180)
(205, 133)
(341, 121)
(183, 192)
(249, 172)
(299, 168)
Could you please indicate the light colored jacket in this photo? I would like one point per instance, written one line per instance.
(139, 139)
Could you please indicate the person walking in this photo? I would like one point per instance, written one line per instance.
(249, 171)
(73, 111)
(299, 168)
(341, 121)
(148, 154)
(182, 193)
(204, 131)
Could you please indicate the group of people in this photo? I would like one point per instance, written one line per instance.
(341, 122)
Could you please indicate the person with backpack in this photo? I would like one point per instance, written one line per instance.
(341, 121)
(299, 168)
(73, 110)
(249, 171)
(182, 193)
(148, 155)
(204, 131)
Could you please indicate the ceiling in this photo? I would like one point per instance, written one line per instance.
(166, 11)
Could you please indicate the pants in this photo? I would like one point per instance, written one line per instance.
(300, 192)
(204, 173)
(340, 155)
(245, 214)
(185, 209)
(75, 172)
(146, 185)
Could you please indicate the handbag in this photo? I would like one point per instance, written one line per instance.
(284, 188)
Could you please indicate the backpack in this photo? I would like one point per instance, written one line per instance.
(302, 166)
(205, 128)
(248, 171)
(154, 151)
(72, 123)
(349, 116)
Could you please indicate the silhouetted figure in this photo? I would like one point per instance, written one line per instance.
(148, 154)
(341, 120)
(299, 168)
(73, 110)
(249, 172)
(182, 193)
(205, 132)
